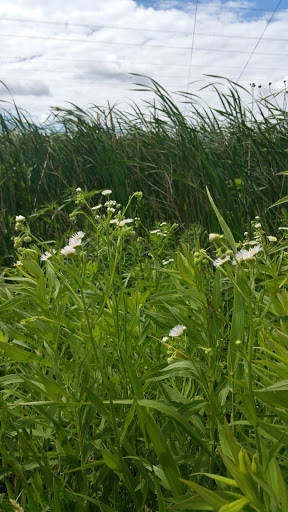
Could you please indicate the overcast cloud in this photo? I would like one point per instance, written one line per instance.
(85, 51)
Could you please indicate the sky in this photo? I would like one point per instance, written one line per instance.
(87, 51)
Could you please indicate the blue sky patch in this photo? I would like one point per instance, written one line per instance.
(246, 9)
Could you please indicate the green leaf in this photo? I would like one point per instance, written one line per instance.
(281, 201)
(177, 417)
(219, 478)
(275, 395)
(236, 506)
(193, 503)
(18, 355)
(111, 460)
(164, 455)
(226, 230)
(210, 497)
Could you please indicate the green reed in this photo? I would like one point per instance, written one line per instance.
(169, 155)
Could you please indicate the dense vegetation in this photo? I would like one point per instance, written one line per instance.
(144, 367)
(171, 157)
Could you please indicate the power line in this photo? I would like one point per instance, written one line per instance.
(192, 44)
(144, 45)
(140, 29)
(92, 26)
(125, 61)
(93, 73)
(137, 29)
(82, 82)
(92, 82)
(258, 42)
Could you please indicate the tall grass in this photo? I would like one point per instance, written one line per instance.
(236, 151)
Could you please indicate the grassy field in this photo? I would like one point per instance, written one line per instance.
(144, 365)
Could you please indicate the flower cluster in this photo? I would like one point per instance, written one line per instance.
(177, 331)
(79, 196)
(74, 241)
(19, 222)
(249, 256)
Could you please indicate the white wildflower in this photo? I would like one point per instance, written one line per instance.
(165, 338)
(253, 242)
(163, 223)
(96, 207)
(284, 228)
(244, 255)
(155, 231)
(165, 262)
(115, 221)
(75, 240)
(240, 256)
(161, 234)
(18, 264)
(68, 251)
(177, 331)
(220, 261)
(112, 210)
(19, 218)
(78, 189)
(254, 250)
(106, 192)
(125, 221)
(258, 225)
(257, 217)
(47, 255)
(213, 236)
(245, 233)
(272, 238)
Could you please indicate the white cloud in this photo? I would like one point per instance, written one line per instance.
(87, 55)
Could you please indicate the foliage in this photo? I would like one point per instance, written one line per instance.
(170, 156)
(137, 378)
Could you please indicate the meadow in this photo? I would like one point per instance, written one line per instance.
(144, 310)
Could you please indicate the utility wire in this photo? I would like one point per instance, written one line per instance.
(144, 45)
(192, 44)
(139, 29)
(114, 27)
(75, 82)
(130, 63)
(92, 26)
(259, 40)
(20, 59)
